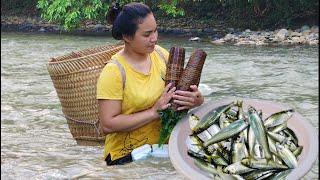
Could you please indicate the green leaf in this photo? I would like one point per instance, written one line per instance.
(169, 118)
(171, 8)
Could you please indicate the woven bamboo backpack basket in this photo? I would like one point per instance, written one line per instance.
(74, 77)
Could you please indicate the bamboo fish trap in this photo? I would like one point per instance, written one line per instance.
(74, 77)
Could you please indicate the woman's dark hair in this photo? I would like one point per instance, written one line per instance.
(125, 20)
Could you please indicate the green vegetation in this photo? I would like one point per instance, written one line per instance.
(169, 118)
(70, 13)
(272, 13)
(253, 14)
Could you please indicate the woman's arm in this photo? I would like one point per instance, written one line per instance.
(112, 120)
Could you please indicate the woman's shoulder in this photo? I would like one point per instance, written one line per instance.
(161, 53)
(111, 66)
(116, 56)
(161, 49)
(116, 60)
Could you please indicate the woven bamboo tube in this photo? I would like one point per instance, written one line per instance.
(192, 73)
(74, 77)
(175, 65)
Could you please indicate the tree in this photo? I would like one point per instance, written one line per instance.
(241, 13)
(70, 13)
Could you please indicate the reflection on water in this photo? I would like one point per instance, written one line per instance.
(36, 142)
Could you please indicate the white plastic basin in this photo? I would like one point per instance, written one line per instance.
(305, 132)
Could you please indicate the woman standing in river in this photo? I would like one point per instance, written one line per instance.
(128, 107)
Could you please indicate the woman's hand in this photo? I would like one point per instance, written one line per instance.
(188, 100)
(163, 101)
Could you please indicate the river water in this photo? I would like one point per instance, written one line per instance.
(36, 142)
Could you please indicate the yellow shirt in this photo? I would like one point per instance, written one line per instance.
(140, 93)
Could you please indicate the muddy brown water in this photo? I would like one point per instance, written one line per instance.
(36, 142)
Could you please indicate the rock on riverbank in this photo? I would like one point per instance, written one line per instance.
(303, 36)
(36, 24)
(218, 34)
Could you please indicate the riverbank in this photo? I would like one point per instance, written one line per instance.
(215, 32)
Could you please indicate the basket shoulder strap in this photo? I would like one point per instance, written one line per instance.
(123, 73)
(158, 50)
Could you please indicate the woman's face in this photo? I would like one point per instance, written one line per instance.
(146, 35)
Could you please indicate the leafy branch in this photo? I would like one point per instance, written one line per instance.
(70, 13)
(169, 118)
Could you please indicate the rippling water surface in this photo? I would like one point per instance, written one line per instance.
(36, 142)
